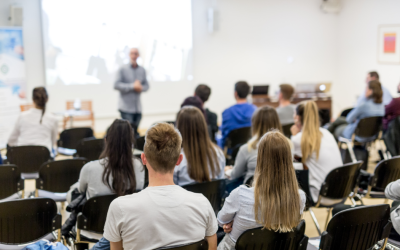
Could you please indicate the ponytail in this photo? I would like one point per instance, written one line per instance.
(40, 97)
(311, 136)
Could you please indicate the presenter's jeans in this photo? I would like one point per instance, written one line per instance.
(134, 120)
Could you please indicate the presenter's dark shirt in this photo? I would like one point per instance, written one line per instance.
(129, 100)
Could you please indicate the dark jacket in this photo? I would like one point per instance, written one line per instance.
(212, 121)
(392, 137)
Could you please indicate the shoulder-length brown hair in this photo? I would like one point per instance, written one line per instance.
(200, 152)
(377, 92)
(277, 199)
(263, 120)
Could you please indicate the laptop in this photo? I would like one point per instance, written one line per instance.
(260, 90)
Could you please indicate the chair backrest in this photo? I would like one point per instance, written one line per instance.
(213, 191)
(340, 182)
(286, 130)
(304, 183)
(368, 127)
(70, 138)
(59, 176)
(94, 213)
(386, 172)
(201, 245)
(85, 105)
(263, 239)
(25, 107)
(90, 149)
(10, 180)
(27, 220)
(139, 143)
(357, 228)
(238, 137)
(28, 158)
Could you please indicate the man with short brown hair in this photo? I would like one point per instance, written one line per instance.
(286, 109)
(163, 214)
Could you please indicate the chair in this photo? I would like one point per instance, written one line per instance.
(213, 191)
(70, 138)
(357, 228)
(336, 188)
(235, 139)
(92, 218)
(28, 220)
(25, 107)
(28, 159)
(286, 130)
(385, 172)
(139, 144)
(56, 178)
(201, 245)
(263, 239)
(10, 183)
(367, 127)
(85, 105)
(90, 149)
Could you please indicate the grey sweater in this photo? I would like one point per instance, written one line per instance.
(392, 191)
(129, 100)
(245, 163)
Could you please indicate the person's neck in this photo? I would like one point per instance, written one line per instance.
(241, 101)
(283, 103)
(159, 179)
(134, 64)
(37, 107)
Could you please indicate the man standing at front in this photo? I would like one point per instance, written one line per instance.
(131, 82)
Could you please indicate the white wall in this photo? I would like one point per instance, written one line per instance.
(253, 41)
(358, 47)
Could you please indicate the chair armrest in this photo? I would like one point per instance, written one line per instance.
(56, 223)
(303, 243)
(81, 221)
(326, 241)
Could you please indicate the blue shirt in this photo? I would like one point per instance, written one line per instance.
(364, 110)
(386, 97)
(237, 116)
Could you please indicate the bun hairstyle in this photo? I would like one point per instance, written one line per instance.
(40, 98)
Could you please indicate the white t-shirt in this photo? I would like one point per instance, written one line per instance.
(29, 131)
(159, 217)
(329, 159)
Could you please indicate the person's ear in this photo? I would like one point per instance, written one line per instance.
(144, 160)
(236, 95)
(179, 160)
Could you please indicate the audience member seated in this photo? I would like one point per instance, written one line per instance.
(202, 160)
(163, 214)
(315, 146)
(36, 126)
(392, 110)
(274, 202)
(286, 110)
(263, 120)
(386, 98)
(392, 191)
(238, 115)
(203, 92)
(196, 102)
(373, 106)
(117, 171)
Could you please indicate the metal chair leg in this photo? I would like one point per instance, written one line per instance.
(384, 244)
(351, 151)
(328, 217)
(315, 221)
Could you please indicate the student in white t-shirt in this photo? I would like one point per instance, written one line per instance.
(315, 146)
(163, 214)
(36, 126)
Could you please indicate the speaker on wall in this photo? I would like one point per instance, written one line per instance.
(16, 15)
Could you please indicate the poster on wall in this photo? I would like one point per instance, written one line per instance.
(12, 79)
(389, 44)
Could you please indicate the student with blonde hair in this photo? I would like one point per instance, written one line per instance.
(202, 159)
(274, 202)
(315, 146)
(264, 119)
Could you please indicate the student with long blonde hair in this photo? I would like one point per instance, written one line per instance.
(202, 160)
(264, 119)
(315, 146)
(274, 202)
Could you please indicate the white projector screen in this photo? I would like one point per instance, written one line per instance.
(85, 42)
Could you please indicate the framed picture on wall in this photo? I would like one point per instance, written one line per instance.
(389, 44)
